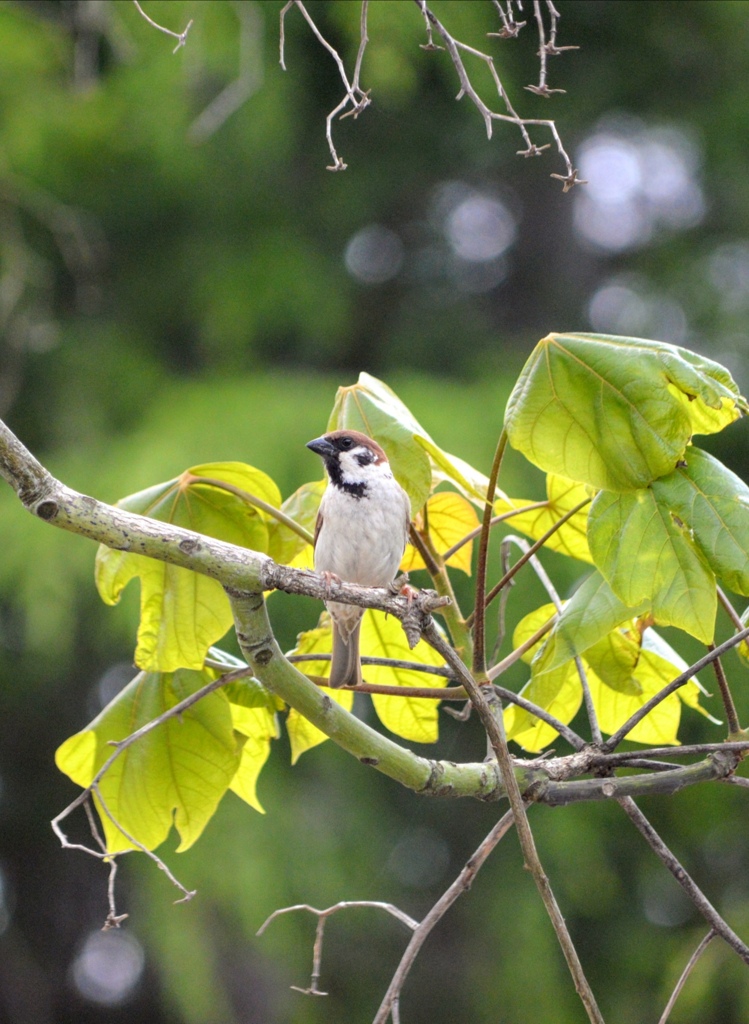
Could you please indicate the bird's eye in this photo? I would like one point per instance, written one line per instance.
(346, 443)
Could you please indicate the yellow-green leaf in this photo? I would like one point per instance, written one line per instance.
(559, 692)
(302, 506)
(303, 735)
(175, 774)
(530, 624)
(184, 613)
(451, 517)
(413, 718)
(563, 494)
(614, 707)
(258, 726)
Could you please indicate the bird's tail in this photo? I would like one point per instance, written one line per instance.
(345, 669)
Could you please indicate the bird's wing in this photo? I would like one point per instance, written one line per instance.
(318, 527)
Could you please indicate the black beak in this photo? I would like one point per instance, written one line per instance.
(321, 446)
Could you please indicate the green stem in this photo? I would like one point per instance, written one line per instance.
(451, 613)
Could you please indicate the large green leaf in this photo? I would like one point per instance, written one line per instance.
(615, 413)
(183, 613)
(648, 555)
(714, 504)
(559, 692)
(418, 463)
(175, 774)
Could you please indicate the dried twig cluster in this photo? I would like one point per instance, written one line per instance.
(356, 99)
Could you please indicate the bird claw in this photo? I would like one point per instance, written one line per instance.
(400, 587)
(329, 578)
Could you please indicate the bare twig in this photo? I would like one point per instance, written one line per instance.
(355, 96)
(461, 884)
(733, 615)
(685, 974)
(181, 37)
(322, 917)
(695, 894)
(188, 894)
(455, 49)
(496, 519)
(494, 725)
(732, 716)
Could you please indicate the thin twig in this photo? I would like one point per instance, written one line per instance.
(733, 615)
(454, 48)
(181, 37)
(590, 710)
(732, 716)
(354, 96)
(496, 519)
(494, 726)
(461, 884)
(695, 894)
(616, 738)
(685, 974)
(536, 546)
(188, 893)
(322, 916)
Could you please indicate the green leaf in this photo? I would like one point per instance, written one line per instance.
(670, 664)
(303, 735)
(413, 718)
(258, 726)
(588, 617)
(563, 494)
(648, 555)
(615, 413)
(183, 613)
(451, 517)
(175, 774)
(449, 468)
(614, 707)
(714, 503)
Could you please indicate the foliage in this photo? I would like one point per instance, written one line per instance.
(660, 539)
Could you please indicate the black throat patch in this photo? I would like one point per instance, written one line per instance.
(336, 478)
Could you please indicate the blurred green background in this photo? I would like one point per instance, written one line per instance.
(181, 281)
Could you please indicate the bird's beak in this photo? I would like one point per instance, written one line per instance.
(321, 446)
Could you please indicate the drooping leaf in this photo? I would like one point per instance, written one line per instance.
(183, 613)
(648, 555)
(303, 735)
(258, 726)
(451, 517)
(175, 774)
(714, 504)
(471, 483)
(615, 413)
(563, 495)
(413, 718)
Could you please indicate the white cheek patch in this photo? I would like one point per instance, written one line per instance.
(352, 472)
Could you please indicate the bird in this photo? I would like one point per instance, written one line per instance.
(360, 535)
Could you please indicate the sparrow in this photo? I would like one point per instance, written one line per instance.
(360, 535)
